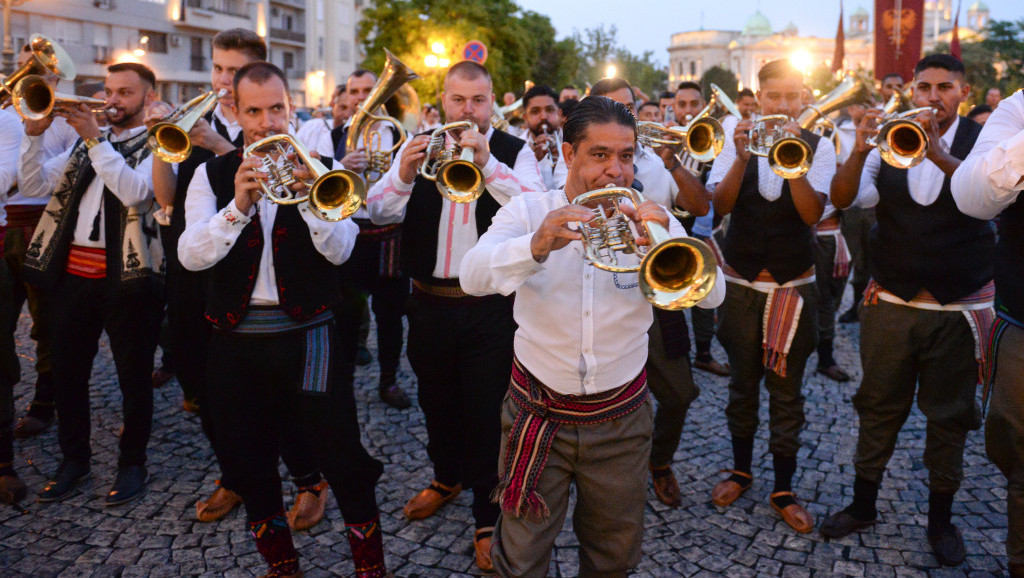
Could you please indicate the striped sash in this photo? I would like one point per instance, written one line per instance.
(88, 262)
(541, 412)
(841, 261)
(268, 321)
(1002, 322)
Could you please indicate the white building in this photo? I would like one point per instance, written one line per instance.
(313, 41)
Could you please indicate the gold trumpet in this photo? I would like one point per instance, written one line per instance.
(902, 142)
(168, 139)
(702, 139)
(34, 99)
(332, 195)
(452, 168)
(789, 156)
(675, 273)
(371, 111)
(47, 58)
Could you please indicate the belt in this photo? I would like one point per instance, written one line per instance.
(448, 292)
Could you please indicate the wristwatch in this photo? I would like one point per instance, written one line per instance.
(91, 142)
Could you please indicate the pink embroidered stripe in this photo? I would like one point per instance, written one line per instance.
(781, 318)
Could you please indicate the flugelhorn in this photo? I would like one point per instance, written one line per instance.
(168, 139)
(702, 138)
(332, 195)
(674, 273)
(458, 179)
(371, 111)
(902, 142)
(790, 156)
(47, 58)
(34, 99)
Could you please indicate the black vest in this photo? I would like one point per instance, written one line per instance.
(767, 234)
(423, 213)
(937, 247)
(307, 283)
(1009, 261)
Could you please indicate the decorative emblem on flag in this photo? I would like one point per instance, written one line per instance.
(898, 22)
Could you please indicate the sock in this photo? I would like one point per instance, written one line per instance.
(865, 495)
(274, 543)
(742, 458)
(940, 511)
(785, 467)
(825, 359)
(387, 379)
(309, 482)
(7, 470)
(367, 548)
(703, 350)
(858, 293)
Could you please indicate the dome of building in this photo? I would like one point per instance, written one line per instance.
(757, 25)
(860, 11)
(978, 6)
(791, 29)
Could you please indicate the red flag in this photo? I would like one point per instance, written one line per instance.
(898, 36)
(954, 43)
(840, 53)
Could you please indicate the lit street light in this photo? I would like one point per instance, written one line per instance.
(610, 71)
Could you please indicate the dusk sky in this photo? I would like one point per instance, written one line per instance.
(648, 24)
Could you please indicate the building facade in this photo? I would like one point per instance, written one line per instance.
(313, 41)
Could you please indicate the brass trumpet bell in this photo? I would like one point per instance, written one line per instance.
(902, 142)
(675, 273)
(458, 179)
(47, 58)
(168, 139)
(34, 99)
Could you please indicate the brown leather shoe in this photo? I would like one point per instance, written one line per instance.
(13, 490)
(794, 514)
(482, 545)
(220, 504)
(712, 366)
(30, 426)
(161, 377)
(425, 503)
(666, 488)
(727, 491)
(309, 507)
(191, 406)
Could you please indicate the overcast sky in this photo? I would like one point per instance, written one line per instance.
(648, 24)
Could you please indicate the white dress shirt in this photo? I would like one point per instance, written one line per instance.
(10, 144)
(210, 234)
(131, 186)
(581, 330)
(232, 126)
(989, 179)
(315, 135)
(847, 134)
(546, 167)
(769, 184)
(923, 180)
(387, 200)
(59, 137)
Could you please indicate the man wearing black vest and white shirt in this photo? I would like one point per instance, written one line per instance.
(96, 252)
(272, 282)
(767, 322)
(459, 346)
(987, 184)
(927, 311)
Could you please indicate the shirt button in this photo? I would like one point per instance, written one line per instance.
(316, 233)
(227, 244)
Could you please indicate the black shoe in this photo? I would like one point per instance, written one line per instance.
(948, 546)
(129, 484)
(363, 356)
(394, 396)
(850, 316)
(834, 372)
(842, 524)
(12, 489)
(64, 483)
(31, 425)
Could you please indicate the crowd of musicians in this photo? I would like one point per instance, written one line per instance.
(535, 359)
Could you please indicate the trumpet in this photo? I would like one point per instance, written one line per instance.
(554, 141)
(371, 111)
(168, 139)
(703, 138)
(47, 58)
(788, 156)
(902, 142)
(33, 99)
(673, 274)
(332, 195)
(452, 168)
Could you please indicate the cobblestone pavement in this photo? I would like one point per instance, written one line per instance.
(159, 536)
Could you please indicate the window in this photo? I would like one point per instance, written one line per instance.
(344, 50)
(693, 68)
(197, 57)
(157, 43)
(289, 60)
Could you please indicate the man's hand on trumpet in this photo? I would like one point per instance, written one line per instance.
(247, 183)
(82, 119)
(476, 140)
(646, 211)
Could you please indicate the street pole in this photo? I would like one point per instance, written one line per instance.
(8, 52)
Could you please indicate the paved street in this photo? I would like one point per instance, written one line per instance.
(159, 536)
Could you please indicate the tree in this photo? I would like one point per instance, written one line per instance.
(981, 72)
(1005, 40)
(724, 78)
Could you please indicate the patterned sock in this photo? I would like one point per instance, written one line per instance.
(274, 543)
(367, 548)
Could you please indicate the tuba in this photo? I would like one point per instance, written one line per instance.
(47, 58)
(788, 156)
(371, 111)
(674, 273)
(452, 168)
(902, 142)
(33, 99)
(332, 195)
(168, 139)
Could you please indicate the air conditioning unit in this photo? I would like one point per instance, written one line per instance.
(103, 4)
(275, 11)
(175, 40)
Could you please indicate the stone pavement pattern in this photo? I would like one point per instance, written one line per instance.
(159, 536)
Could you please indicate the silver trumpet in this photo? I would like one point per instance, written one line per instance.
(34, 99)
(458, 179)
(332, 195)
(674, 273)
(168, 139)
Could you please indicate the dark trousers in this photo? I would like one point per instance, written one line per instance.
(81, 309)
(256, 403)
(907, 351)
(671, 383)
(830, 288)
(856, 226)
(703, 319)
(1004, 434)
(740, 331)
(462, 356)
(10, 370)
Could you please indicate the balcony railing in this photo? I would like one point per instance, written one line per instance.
(282, 34)
(232, 7)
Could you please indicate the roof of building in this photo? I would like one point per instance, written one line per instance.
(860, 11)
(978, 6)
(757, 25)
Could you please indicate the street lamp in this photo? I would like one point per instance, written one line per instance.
(8, 51)
(610, 71)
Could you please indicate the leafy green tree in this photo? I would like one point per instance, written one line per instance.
(978, 64)
(724, 78)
